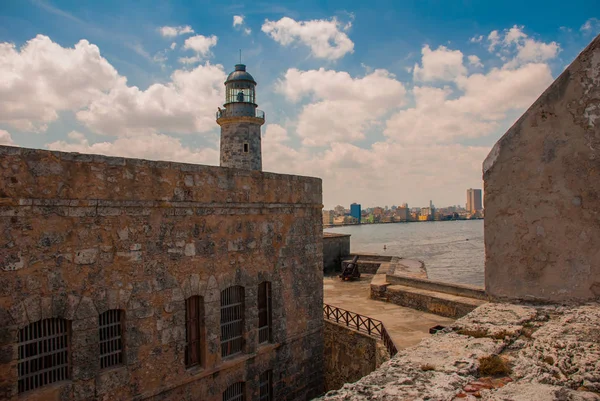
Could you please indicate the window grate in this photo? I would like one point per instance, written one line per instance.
(232, 320)
(235, 392)
(43, 353)
(264, 312)
(193, 318)
(266, 386)
(111, 338)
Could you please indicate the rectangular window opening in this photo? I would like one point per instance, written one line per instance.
(110, 330)
(232, 320)
(264, 312)
(194, 318)
(265, 385)
(246, 150)
(235, 392)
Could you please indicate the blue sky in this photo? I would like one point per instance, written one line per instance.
(387, 101)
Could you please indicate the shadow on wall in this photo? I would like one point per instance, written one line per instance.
(335, 248)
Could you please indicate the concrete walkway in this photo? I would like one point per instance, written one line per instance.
(406, 326)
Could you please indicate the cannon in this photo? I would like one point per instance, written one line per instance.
(350, 272)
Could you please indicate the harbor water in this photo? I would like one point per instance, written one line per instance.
(453, 251)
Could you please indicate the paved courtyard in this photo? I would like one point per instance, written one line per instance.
(406, 326)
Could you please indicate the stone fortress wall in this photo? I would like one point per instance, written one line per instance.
(82, 234)
(542, 193)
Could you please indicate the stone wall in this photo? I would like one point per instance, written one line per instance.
(235, 132)
(349, 355)
(542, 193)
(335, 248)
(81, 234)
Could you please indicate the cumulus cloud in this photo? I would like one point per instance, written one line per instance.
(41, 79)
(172, 31)
(152, 146)
(326, 38)
(516, 45)
(186, 104)
(441, 116)
(475, 61)
(5, 138)
(238, 20)
(201, 45)
(591, 26)
(342, 107)
(441, 64)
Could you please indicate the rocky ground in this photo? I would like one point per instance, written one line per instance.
(497, 352)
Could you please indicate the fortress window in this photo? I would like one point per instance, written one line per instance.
(43, 353)
(194, 318)
(265, 385)
(245, 148)
(232, 320)
(235, 392)
(110, 330)
(264, 312)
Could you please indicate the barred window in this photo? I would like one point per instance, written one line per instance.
(110, 328)
(265, 384)
(264, 312)
(43, 353)
(232, 320)
(194, 319)
(235, 392)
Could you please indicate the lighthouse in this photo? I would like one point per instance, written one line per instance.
(240, 122)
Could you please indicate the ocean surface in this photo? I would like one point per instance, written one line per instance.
(452, 251)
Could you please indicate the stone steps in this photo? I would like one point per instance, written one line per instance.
(439, 303)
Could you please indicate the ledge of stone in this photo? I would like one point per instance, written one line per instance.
(553, 354)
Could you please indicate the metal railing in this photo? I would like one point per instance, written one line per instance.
(365, 324)
(223, 113)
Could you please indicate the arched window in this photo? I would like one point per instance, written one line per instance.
(43, 353)
(194, 322)
(110, 330)
(235, 392)
(264, 312)
(232, 320)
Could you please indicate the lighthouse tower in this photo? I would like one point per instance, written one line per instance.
(240, 122)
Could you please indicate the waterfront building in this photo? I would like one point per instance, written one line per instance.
(403, 213)
(339, 210)
(474, 203)
(328, 217)
(355, 211)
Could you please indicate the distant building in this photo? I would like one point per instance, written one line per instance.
(355, 211)
(474, 200)
(403, 213)
(339, 210)
(327, 217)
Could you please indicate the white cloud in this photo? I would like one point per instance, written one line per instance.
(441, 116)
(238, 20)
(342, 107)
(441, 64)
(201, 45)
(326, 38)
(475, 61)
(42, 79)
(186, 104)
(476, 39)
(173, 46)
(519, 49)
(275, 133)
(151, 146)
(5, 138)
(591, 26)
(172, 31)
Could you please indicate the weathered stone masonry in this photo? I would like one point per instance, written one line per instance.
(81, 234)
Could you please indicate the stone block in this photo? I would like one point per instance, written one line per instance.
(86, 256)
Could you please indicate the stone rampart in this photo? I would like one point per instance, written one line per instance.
(82, 234)
(335, 248)
(349, 355)
(542, 194)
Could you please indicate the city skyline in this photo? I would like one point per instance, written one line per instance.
(389, 101)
